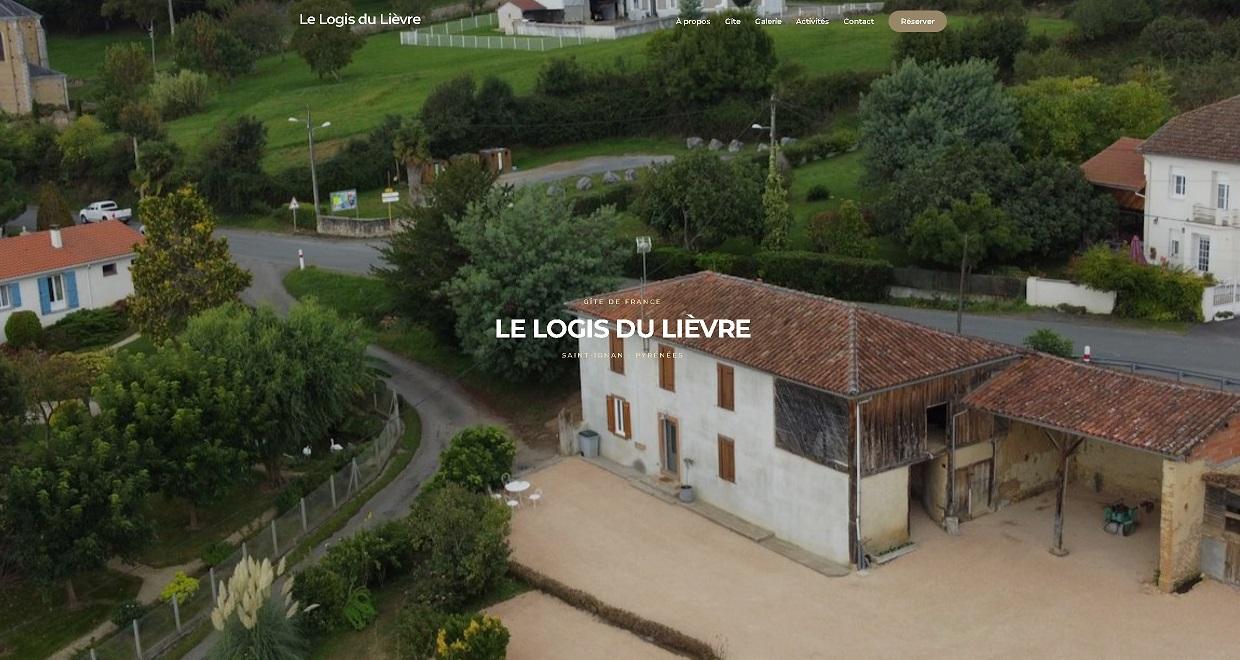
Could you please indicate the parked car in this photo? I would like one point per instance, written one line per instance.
(105, 210)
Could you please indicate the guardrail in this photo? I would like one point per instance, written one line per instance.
(1181, 375)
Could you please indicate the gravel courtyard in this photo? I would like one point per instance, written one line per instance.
(544, 628)
(992, 592)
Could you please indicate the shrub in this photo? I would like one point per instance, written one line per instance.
(1049, 341)
(23, 329)
(477, 458)
(126, 612)
(319, 584)
(216, 553)
(287, 499)
(662, 262)
(1174, 38)
(822, 145)
(179, 94)
(619, 195)
(1102, 19)
(182, 587)
(839, 277)
(371, 556)
(818, 193)
(462, 538)
(843, 232)
(1155, 293)
(476, 637)
(359, 608)
(86, 328)
(417, 630)
(728, 264)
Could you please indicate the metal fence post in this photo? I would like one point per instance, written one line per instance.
(275, 539)
(211, 576)
(137, 639)
(244, 553)
(304, 527)
(332, 482)
(176, 611)
(92, 654)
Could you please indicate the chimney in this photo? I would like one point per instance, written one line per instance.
(55, 234)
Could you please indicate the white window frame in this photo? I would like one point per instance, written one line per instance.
(56, 297)
(1203, 253)
(115, 270)
(1222, 195)
(1174, 248)
(1179, 184)
(5, 303)
(617, 411)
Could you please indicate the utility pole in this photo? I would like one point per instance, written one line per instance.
(314, 177)
(152, 32)
(172, 20)
(964, 257)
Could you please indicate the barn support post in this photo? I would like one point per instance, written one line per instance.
(1066, 448)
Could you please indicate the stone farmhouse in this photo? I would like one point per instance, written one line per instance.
(831, 424)
(26, 78)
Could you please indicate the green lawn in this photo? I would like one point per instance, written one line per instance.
(841, 175)
(176, 544)
(34, 622)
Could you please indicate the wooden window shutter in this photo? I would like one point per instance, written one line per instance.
(667, 369)
(727, 459)
(628, 420)
(611, 413)
(727, 396)
(616, 349)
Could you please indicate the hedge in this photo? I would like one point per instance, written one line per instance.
(619, 195)
(1154, 293)
(665, 637)
(23, 329)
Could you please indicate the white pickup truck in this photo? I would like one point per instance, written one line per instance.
(107, 210)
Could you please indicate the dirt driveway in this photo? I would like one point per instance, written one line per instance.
(992, 592)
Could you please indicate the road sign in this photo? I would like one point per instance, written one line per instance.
(293, 205)
(390, 196)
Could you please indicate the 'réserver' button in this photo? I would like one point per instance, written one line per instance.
(917, 21)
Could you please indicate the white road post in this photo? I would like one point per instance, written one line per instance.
(301, 260)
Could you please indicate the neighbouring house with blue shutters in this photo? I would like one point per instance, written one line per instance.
(53, 273)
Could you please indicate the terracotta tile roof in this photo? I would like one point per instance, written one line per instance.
(1211, 132)
(1118, 166)
(821, 342)
(1147, 413)
(33, 253)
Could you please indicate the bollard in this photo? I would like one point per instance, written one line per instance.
(1085, 356)
(301, 260)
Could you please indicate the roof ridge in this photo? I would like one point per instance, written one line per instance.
(854, 357)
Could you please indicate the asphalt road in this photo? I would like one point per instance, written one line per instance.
(1212, 347)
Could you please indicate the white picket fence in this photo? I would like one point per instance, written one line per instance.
(448, 35)
(1221, 301)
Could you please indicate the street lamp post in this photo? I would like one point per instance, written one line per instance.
(643, 248)
(771, 129)
(314, 177)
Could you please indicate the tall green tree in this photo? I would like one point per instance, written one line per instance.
(232, 172)
(12, 401)
(921, 109)
(423, 256)
(411, 150)
(188, 424)
(528, 254)
(703, 64)
(682, 199)
(126, 69)
(75, 503)
(53, 210)
(202, 44)
(181, 268)
(12, 201)
(448, 118)
(1075, 118)
(326, 48)
(296, 376)
(973, 231)
(775, 210)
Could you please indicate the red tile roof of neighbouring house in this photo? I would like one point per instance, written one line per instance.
(821, 342)
(1210, 132)
(1118, 166)
(1146, 413)
(527, 5)
(33, 253)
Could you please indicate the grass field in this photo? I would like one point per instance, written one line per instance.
(387, 78)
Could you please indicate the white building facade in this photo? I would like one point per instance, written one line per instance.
(54, 273)
(1192, 170)
(684, 433)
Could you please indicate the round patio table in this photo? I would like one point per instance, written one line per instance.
(517, 487)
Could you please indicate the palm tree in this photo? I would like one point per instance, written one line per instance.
(409, 147)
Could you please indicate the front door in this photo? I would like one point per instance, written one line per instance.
(973, 490)
(669, 444)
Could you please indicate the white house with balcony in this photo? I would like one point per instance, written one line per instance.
(53, 273)
(1192, 210)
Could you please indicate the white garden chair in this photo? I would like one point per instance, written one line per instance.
(536, 497)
